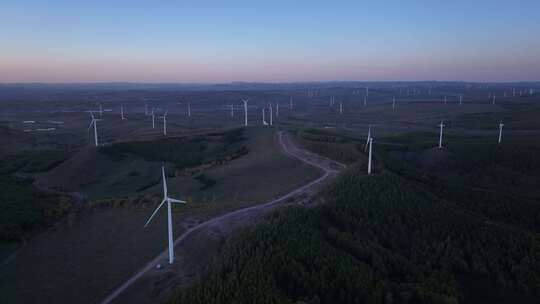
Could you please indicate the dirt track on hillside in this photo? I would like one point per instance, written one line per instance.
(196, 246)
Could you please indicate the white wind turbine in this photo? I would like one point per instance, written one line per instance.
(145, 109)
(493, 101)
(501, 125)
(271, 114)
(460, 99)
(441, 134)
(263, 117)
(290, 104)
(169, 201)
(365, 100)
(245, 101)
(189, 109)
(445, 99)
(153, 119)
(232, 110)
(165, 122)
(370, 141)
(277, 109)
(93, 122)
(122, 112)
(100, 110)
(393, 103)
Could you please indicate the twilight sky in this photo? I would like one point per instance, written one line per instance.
(272, 40)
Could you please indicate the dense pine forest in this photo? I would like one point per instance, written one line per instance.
(394, 237)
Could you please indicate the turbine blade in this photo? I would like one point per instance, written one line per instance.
(173, 200)
(91, 123)
(155, 211)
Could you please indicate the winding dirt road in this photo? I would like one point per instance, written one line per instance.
(214, 230)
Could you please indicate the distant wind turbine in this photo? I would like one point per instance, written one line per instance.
(169, 201)
(460, 99)
(365, 100)
(232, 110)
(245, 101)
(441, 134)
(340, 107)
(393, 103)
(277, 109)
(271, 114)
(122, 112)
(100, 110)
(501, 125)
(493, 102)
(290, 104)
(263, 117)
(153, 119)
(165, 123)
(93, 122)
(146, 109)
(189, 109)
(370, 140)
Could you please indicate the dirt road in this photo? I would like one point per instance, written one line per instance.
(195, 246)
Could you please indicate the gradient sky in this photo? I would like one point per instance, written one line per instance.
(274, 41)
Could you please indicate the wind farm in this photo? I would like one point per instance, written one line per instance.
(226, 153)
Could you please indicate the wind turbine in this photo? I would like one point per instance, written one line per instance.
(460, 99)
(441, 134)
(169, 201)
(370, 141)
(93, 122)
(340, 108)
(165, 122)
(367, 91)
(393, 103)
(290, 104)
(445, 99)
(189, 109)
(277, 109)
(365, 100)
(153, 119)
(146, 109)
(245, 101)
(263, 117)
(100, 110)
(271, 114)
(493, 102)
(232, 110)
(122, 112)
(501, 125)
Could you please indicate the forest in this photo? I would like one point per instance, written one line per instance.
(394, 237)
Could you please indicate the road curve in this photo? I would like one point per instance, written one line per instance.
(328, 166)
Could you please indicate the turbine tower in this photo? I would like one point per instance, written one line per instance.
(340, 108)
(100, 110)
(370, 141)
(501, 125)
(460, 99)
(93, 122)
(493, 102)
(263, 117)
(393, 104)
(153, 119)
(245, 101)
(441, 134)
(169, 201)
(365, 100)
(122, 112)
(232, 110)
(145, 109)
(271, 114)
(277, 109)
(189, 109)
(290, 104)
(165, 123)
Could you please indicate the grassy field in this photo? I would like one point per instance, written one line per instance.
(84, 259)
